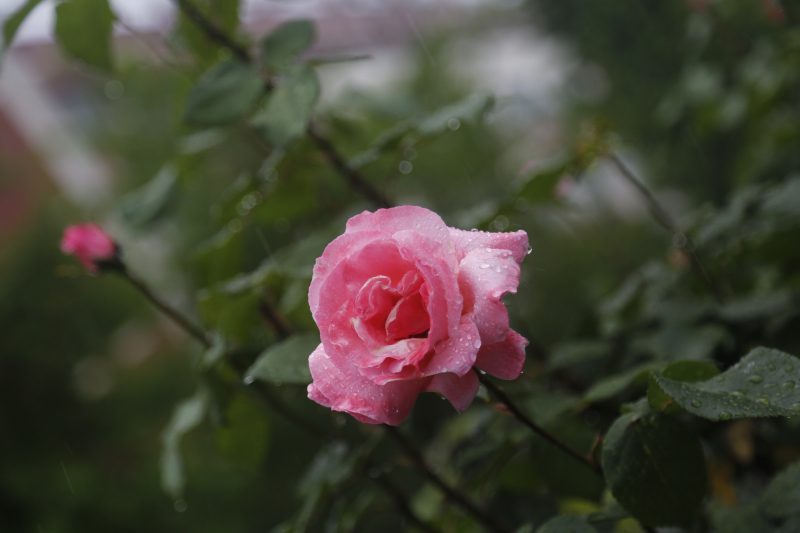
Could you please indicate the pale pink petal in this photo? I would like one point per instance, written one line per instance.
(458, 353)
(90, 244)
(503, 359)
(459, 390)
(337, 251)
(408, 318)
(466, 241)
(485, 275)
(404, 217)
(438, 268)
(342, 388)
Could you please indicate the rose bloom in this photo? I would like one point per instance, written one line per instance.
(90, 244)
(405, 304)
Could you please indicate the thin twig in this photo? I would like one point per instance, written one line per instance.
(665, 220)
(522, 417)
(176, 317)
(450, 492)
(271, 316)
(211, 29)
(355, 179)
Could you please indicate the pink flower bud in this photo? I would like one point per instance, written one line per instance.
(90, 244)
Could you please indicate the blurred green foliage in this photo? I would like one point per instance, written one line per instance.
(229, 161)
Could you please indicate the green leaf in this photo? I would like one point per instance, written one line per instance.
(655, 468)
(684, 371)
(762, 384)
(233, 317)
(286, 361)
(243, 437)
(187, 415)
(289, 107)
(152, 201)
(470, 109)
(212, 355)
(746, 519)
(566, 524)
(83, 28)
(223, 94)
(782, 497)
(280, 48)
(12, 23)
(541, 185)
(617, 384)
(567, 354)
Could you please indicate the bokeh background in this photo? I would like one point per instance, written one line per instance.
(699, 98)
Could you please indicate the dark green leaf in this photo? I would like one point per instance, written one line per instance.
(223, 94)
(289, 107)
(655, 468)
(243, 436)
(281, 47)
(541, 185)
(567, 524)
(568, 354)
(233, 317)
(212, 355)
(150, 202)
(286, 361)
(782, 497)
(685, 371)
(762, 384)
(12, 23)
(187, 415)
(83, 28)
(746, 519)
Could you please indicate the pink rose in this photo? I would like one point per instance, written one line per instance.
(405, 304)
(90, 244)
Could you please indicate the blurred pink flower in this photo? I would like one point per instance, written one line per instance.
(405, 304)
(90, 244)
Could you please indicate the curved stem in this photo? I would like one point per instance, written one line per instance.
(525, 419)
(197, 333)
(211, 30)
(450, 492)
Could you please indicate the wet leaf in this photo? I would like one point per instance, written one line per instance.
(763, 384)
(281, 47)
(685, 371)
(187, 415)
(288, 108)
(617, 384)
(655, 468)
(286, 361)
(244, 433)
(83, 29)
(782, 497)
(153, 200)
(223, 94)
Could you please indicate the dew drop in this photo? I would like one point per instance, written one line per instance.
(697, 403)
(763, 401)
(484, 265)
(528, 251)
(796, 407)
(771, 366)
(788, 385)
(724, 415)
(248, 380)
(477, 344)
(756, 378)
(789, 368)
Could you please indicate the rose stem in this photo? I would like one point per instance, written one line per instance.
(453, 494)
(665, 220)
(522, 417)
(263, 391)
(271, 316)
(352, 176)
(176, 317)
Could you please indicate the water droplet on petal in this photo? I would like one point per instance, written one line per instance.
(484, 265)
(477, 344)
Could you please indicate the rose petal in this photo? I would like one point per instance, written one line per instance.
(485, 275)
(408, 318)
(404, 217)
(466, 241)
(503, 359)
(458, 353)
(335, 253)
(459, 390)
(342, 388)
